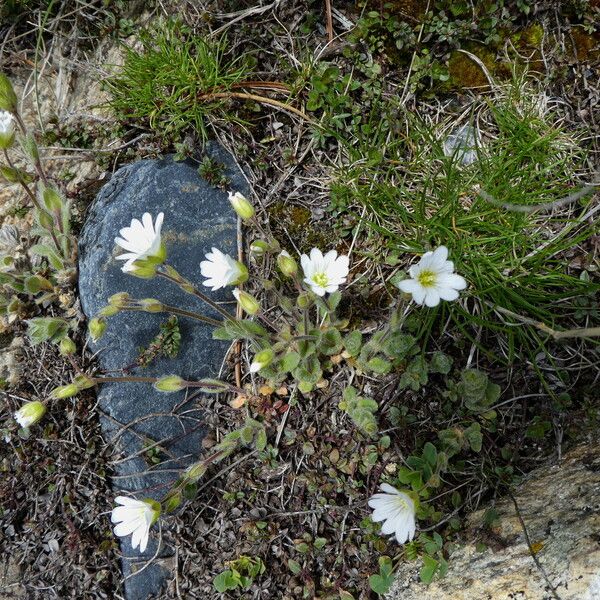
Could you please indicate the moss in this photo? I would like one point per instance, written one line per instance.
(293, 221)
(466, 73)
(585, 47)
(528, 42)
(410, 10)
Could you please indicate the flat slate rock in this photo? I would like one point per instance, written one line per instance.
(197, 217)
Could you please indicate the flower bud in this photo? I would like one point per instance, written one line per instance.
(248, 302)
(241, 205)
(261, 360)
(30, 413)
(196, 471)
(172, 502)
(7, 130)
(304, 301)
(259, 247)
(287, 265)
(64, 391)
(151, 305)
(108, 311)
(120, 300)
(170, 383)
(67, 346)
(8, 98)
(143, 268)
(96, 328)
(83, 382)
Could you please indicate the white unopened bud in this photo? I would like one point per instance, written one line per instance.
(29, 414)
(248, 302)
(261, 360)
(241, 205)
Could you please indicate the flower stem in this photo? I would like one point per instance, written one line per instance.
(186, 286)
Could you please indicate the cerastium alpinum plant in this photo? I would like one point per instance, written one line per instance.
(33, 276)
(300, 338)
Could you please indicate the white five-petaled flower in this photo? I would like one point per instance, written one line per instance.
(142, 241)
(433, 279)
(221, 270)
(324, 274)
(397, 511)
(135, 517)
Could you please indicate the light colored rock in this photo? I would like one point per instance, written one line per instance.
(70, 91)
(560, 506)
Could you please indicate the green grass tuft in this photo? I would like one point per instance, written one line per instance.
(417, 198)
(173, 82)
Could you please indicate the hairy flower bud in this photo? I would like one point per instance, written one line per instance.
(261, 360)
(120, 300)
(108, 311)
(170, 383)
(151, 305)
(259, 247)
(287, 265)
(67, 346)
(304, 301)
(195, 471)
(64, 391)
(30, 413)
(248, 302)
(96, 328)
(241, 205)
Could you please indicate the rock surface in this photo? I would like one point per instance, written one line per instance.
(197, 217)
(560, 506)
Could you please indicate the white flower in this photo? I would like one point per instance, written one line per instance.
(324, 274)
(7, 129)
(30, 413)
(142, 241)
(135, 517)
(222, 270)
(397, 510)
(433, 278)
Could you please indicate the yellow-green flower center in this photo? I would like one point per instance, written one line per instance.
(427, 278)
(320, 279)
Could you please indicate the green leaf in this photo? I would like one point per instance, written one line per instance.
(379, 365)
(50, 254)
(452, 439)
(245, 329)
(290, 361)
(353, 342)
(474, 437)
(399, 345)
(382, 582)
(261, 439)
(430, 566)
(42, 329)
(440, 363)
(430, 454)
(225, 581)
(331, 342)
(309, 370)
(294, 566)
(334, 300)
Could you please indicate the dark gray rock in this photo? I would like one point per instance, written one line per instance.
(197, 217)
